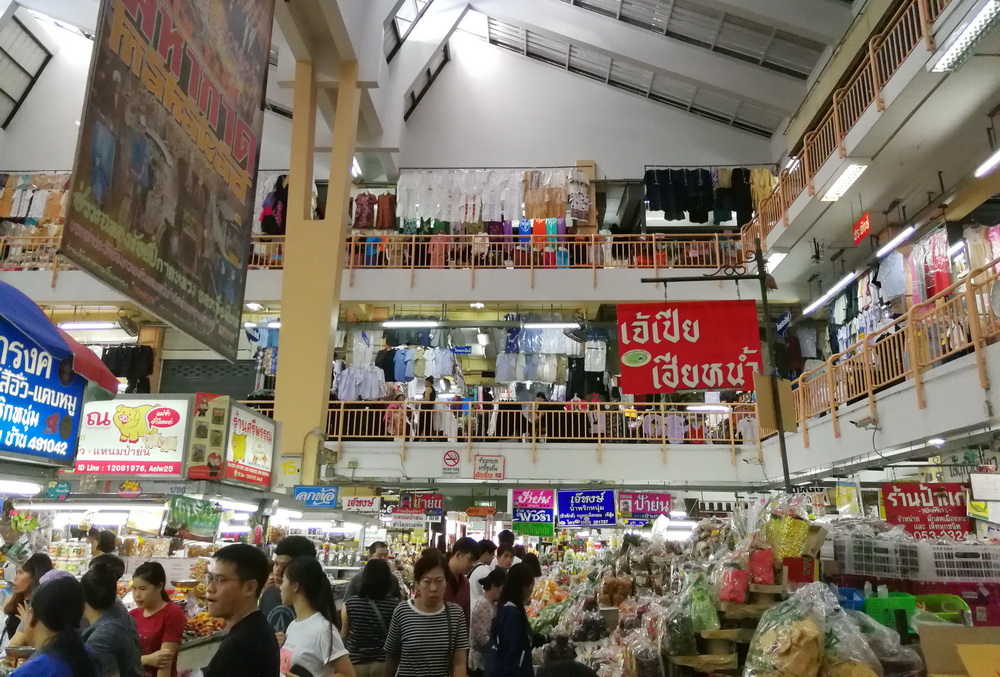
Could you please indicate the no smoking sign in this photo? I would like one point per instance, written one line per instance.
(449, 464)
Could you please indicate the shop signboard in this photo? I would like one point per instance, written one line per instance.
(249, 447)
(641, 507)
(927, 510)
(534, 512)
(489, 468)
(847, 498)
(191, 518)
(207, 446)
(692, 345)
(586, 508)
(316, 496)
(862, 228)
(408, 518)
(134, 436)
(362, 505)
(162, 192)
(40, 400)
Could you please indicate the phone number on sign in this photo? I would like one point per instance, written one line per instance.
(957, 534)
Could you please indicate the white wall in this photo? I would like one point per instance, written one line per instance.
(490, 107)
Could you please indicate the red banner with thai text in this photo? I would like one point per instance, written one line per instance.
(927, 510)
(690, 345)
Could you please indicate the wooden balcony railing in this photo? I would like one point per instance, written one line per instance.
(909, 26)
(538, 424)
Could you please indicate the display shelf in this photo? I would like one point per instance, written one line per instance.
(707, 663)
(738, 635)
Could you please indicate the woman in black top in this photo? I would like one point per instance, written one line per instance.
(25, 581)
(367, 616)
(427, 410)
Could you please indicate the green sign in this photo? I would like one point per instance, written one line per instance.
(535, 528)
(192, 518)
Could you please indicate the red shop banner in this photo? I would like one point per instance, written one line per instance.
(691, 345)
(934, 510)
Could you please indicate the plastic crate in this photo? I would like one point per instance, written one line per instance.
(983, 599)
(883, 609)
(851, 599)
(872, 557)
(951, 608)
(959, 563)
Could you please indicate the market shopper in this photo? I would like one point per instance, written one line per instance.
(463, 556)
(425, 422)
(395, 418)
(483, 612)
(52, 626)
(377, 550)
(111, 636)
(367, 615)
(102, 542)
(159, 621)
(26, 579)
(507, 537)
(428, 637)
(312, 640)
(482, 569)
(509, 653)
(234, 581)
(288, 548)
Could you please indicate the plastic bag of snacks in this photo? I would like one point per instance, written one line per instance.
(703, 613)
(762, 567)
(735, 583)
(644, 659)
(897, 660)
(810, 635)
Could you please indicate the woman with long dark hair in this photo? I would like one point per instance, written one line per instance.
(159, 621)
(367, 616)
(312, 640)
(52, 626)
(428, 637)
(509, 653)
(26, 580)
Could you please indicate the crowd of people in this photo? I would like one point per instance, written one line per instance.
(465, 617)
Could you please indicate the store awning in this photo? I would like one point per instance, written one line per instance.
(23, 313)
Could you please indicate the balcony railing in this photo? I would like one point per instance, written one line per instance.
(538, 424)
(31, 253)
(958, 320)
(909, 26)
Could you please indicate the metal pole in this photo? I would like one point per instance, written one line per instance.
(769, 330)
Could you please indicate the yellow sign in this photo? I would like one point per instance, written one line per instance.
(848, 499)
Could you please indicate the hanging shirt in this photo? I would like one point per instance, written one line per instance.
(595, 356)
(364, 210)
(807, 341)
(399, 366)
(505, 367)
(386, 211)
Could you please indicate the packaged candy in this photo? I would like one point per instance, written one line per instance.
(735, 583)
(762, 567)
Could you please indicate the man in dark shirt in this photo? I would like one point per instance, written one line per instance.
(233, 584)
(463, 556)
(377, 550)
(288, 548)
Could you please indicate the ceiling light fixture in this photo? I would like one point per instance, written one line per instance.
(238, 506)
(249, 325)
(989, 165)
(105, 506)
(968, 37)
(255, 307)
(411, 324)
(286, 513)
(895, 242)
(713, 408)
(936, 441)
(274, 325)
(551, 325)
(850, 174)
(477, 306)
(773, 259)
(829, 294)
(355, 168)
(17, 488)
(87, 326)
(483, 339)
(956, 248)
(792, 164)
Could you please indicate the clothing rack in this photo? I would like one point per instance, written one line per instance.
(713, 166)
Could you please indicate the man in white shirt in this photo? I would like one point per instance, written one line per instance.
(483, 567)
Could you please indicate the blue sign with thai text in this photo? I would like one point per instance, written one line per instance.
(316, 496)
(586, 508)
(533, 515)
(462, 350)
(40, 399)
(784, 322)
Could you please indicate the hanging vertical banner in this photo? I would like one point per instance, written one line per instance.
(693, 345)
(163, 186)
(862, 228)
(534, 512)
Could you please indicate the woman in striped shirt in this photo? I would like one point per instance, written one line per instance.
(428, 637)
(367, 616)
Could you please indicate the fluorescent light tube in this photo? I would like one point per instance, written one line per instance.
(483, 339)
(551, 325)
(718, 408)
(286, 513)
(234, 529)
(773, 259)
(844, 182)
(477, 306)
(106, 505)
(255, 307)
(895, 242)
(829, 294)
(355, 168)
(956, 248)
(410, 324)
(936, 441)
(965, 44)
(239, 506)
(989, 165)
(249, 325)
(792, 164)
(675, 514)
(18, 488)
(85, 326)
(274, 325)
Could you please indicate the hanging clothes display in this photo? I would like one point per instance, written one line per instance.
(704, 194)
(386, 216)
(364, 211)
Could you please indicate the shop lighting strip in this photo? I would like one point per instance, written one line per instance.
(989, 165)
(830, 293)
(895, 242)
(843, 183)
(956, 248)
(968, 39)
(411, 324)
(87, 326)
(551, 325)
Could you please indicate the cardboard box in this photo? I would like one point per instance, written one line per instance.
(939, 644)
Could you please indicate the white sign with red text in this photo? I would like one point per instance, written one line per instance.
(134, 436)
(249, 447)
(489, 468)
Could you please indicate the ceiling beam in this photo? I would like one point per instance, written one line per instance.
(824, 21)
